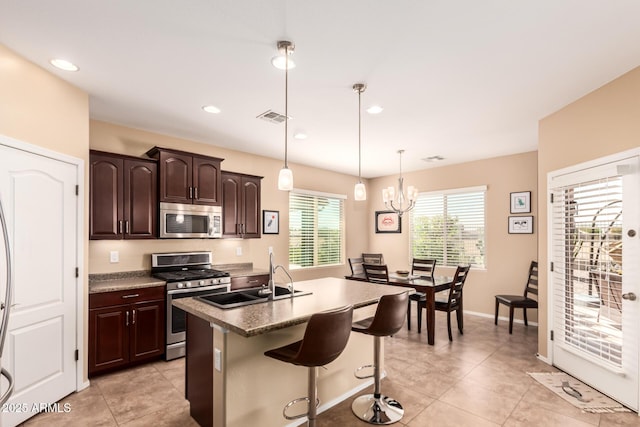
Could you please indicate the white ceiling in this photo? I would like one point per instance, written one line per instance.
(463, 79)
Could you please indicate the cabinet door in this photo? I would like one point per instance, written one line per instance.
(147, 330)
(176, 177)
(105, 197)
(244, 282)
(140, 199)
(108, 338)
(250, 207)
(206, 181)
(231, 200)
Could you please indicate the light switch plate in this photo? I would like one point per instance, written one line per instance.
(217, 359)
(114, 257)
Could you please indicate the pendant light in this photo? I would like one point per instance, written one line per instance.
(285, 178)
(395, 201)
(360, 191)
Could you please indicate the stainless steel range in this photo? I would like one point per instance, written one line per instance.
(188, 274)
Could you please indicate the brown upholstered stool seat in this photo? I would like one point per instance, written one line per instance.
(389, 318)
(324, 340)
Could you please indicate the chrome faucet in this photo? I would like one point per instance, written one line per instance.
(270, 291)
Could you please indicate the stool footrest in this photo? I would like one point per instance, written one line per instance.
(361, 377)
(294, 402)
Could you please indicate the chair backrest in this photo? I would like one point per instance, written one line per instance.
(609, 286)
(376, 273)
(455, 292)
(423, 267)
(532, 280)
(356, 266)
(373, 258)
(325, 338)
(390, 315)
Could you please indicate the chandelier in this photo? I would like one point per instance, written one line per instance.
(397, 201)
(285, 178)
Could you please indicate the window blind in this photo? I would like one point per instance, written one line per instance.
(449, 227)
(316, 229)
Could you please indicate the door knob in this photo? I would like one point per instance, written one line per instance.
(631, 233)
(630, 296)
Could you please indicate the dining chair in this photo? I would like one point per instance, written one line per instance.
(373, 258)
(424, 268)
(452, 301)
(376, 273)
(521, 301)
(356, 266)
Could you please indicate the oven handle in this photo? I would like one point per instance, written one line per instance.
(224, 287)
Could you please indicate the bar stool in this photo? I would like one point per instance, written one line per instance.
(324, 340)
(376, 408)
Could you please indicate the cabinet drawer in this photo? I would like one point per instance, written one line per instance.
(131, 296)
(244, 282)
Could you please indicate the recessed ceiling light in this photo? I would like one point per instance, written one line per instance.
(63, 64)
(279, 62)
(300, 135)
(375, 109)
(211, 109)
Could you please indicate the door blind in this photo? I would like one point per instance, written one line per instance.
(587, 279)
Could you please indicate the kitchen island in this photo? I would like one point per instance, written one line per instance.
(229, 381)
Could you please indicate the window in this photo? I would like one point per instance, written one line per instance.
(316, 229)
(449, 226)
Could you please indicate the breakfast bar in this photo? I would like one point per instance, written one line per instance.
(229, 381)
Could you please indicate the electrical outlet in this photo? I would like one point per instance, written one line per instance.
(239, 251)
(114, 257)
(270, 250)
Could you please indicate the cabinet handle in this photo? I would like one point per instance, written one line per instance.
(130, 296)
(126, 323)
(120, 227)
(134, 317)
(196, 192)
(126, 227)
(191, 192)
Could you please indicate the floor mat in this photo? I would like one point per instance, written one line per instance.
(577, 393)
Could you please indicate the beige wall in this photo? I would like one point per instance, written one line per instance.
(601, 123)
(38, 108)
(135, 255)
(507, 255)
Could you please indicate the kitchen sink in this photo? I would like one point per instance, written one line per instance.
(244, 297)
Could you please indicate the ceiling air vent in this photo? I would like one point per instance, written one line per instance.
(272, 116)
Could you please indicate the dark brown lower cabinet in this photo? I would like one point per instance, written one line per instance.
(244, 282)
(125, 327)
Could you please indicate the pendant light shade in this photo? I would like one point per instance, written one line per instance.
(285, 178)
(360, 191)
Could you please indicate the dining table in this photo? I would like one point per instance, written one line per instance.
(425, 284)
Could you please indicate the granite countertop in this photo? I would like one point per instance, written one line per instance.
(127, 280)
(327, 293)
(123, 284)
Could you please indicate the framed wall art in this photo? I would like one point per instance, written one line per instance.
(270, 222)
(521, 225)
(521, 202)
(388, 222)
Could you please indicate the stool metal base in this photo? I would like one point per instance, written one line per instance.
(377, 410)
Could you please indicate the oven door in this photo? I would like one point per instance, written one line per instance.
(177, 318)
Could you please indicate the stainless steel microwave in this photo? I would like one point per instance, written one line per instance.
(179, 221)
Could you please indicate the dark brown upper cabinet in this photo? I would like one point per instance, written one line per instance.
(240, 205)
(122, 197)
(188, 178)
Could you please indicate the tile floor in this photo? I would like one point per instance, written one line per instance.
(477, 380)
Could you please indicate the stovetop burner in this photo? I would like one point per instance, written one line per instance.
(177, 276)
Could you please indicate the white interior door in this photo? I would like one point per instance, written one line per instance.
(594, 246)
(40, 202)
